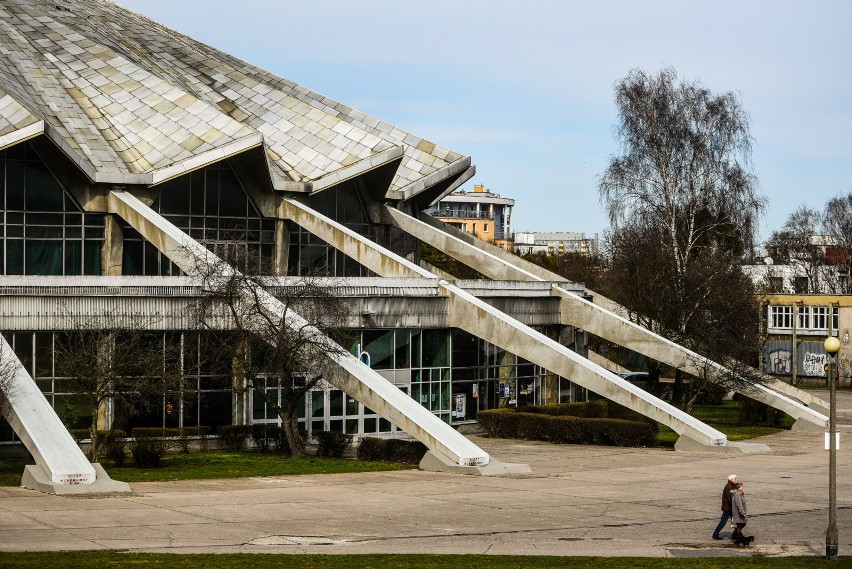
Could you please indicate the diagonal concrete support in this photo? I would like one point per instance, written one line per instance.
(500, 265)
(356, 379)
(469, 313)
(60, 466)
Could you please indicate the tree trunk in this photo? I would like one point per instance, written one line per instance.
(290, 425)
(95, 447)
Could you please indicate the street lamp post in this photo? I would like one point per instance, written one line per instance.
(832, 345)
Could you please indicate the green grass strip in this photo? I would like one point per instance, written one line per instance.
(204, 465)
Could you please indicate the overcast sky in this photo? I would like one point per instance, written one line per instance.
(526, 88)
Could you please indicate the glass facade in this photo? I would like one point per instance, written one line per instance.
(44, 231)
(212, 206)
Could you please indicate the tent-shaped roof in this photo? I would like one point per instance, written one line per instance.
(131, 101)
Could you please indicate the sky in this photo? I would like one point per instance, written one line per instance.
(526, 88)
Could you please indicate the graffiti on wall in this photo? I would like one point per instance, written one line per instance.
(780, 361)
(814, 364)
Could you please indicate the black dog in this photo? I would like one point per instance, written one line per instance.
(740, 539)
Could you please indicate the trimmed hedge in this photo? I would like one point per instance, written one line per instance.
(590, 409)
(170, 432)
(567, 429)
(391, 450)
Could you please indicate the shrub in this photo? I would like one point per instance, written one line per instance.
(332, 444)
(265, 437)
(114, 446)
(233, 437)
(408, 452)
(623, 433)
(391, 450)
(149, 446)
(597, 408)
(506, 423)
(186, 434)
(371, 448)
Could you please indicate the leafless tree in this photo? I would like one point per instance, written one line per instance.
(837, 224)
(8, 369)
(275, 347)
(683, 202)
(800, 244)
(115, 360)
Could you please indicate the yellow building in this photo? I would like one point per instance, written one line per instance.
(796, 326)
(481, 213)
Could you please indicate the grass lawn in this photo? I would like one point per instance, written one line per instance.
(724, 417)
(199, 465)
(100, 560)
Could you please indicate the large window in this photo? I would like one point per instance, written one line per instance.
(44, 232)
(311, 255)
(212, 207)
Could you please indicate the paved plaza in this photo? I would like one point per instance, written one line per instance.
(580, 500)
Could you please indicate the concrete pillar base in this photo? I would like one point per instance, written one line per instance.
(685, 443)
(436, 462)
(36, 478)
(804, 425)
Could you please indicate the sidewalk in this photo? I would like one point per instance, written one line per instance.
(581, 500)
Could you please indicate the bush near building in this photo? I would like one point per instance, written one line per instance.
(391, 450)
(569, 423)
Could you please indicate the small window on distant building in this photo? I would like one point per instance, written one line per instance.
(776, 284)
(801, 285)
(485, 228)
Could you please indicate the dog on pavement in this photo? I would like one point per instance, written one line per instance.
(740, 539)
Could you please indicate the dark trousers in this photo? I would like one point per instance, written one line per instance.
(725, 517)
(739, 530)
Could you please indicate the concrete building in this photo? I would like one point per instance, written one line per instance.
(555, 242)
(481, 213)
(132, 157)
(796, 326)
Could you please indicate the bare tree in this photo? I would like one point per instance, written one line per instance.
(272, 350)
(837, 224)
(683, 203)
(800, 244)
(114, 360)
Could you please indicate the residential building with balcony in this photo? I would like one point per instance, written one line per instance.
(481, 213)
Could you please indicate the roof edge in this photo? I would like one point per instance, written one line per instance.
(348, 172)
(22, 134)
(414, 188)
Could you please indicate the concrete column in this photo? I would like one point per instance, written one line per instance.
(239, 383)
(112, 250)
(282, 247)
(506, 373)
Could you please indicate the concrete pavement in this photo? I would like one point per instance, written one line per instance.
(581, 500)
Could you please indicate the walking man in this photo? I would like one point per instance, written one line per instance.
(726, 505)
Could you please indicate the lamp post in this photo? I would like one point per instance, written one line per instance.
(832, 345)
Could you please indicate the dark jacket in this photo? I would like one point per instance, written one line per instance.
(738, 507)
(726, 497)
